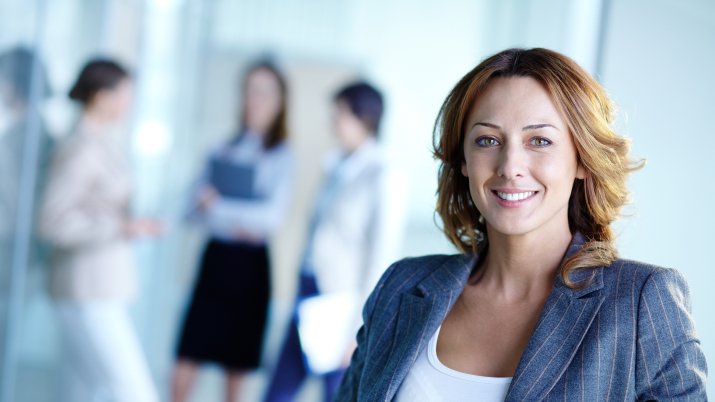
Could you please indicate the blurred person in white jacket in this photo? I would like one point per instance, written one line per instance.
(85, 216)
(355, 232)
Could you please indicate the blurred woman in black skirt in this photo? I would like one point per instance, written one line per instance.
(241, 200)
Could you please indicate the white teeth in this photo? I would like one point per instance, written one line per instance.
(515, 196)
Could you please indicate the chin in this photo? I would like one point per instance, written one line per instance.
(511, 228)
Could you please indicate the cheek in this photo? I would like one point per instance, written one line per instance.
(348, 126)
(340, 124)
(273, 104)
(353, 130)
(112, 103)
(556, 173)
(478, 171)
(255, 99)
(122, 97)
(126, 102)
(468, 163)
(478, 167)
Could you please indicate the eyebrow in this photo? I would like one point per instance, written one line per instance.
(525, 128)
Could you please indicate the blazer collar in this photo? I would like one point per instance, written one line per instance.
(566, 317)
(422, 310)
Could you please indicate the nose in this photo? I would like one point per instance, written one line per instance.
(511, 162)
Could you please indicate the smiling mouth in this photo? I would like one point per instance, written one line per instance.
(514, 196)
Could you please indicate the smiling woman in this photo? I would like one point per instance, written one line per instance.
(569, 101)
(537, 306)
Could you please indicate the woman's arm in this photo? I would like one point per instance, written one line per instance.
(670, 364)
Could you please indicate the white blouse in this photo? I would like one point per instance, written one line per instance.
(431, 381)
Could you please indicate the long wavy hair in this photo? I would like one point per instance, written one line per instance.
(595, 201)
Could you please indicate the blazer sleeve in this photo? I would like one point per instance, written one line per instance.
(351, 383)
(670, 364)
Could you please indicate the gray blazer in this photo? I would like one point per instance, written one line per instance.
(628, 335)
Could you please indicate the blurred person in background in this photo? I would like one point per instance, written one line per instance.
(16, 75)
(85, 216)
(354, 232)
(241, 200)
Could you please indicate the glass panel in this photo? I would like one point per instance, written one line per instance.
(24, 144)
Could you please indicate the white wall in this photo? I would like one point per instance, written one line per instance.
(659, 68)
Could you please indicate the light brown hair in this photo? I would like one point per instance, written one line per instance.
(595, 201)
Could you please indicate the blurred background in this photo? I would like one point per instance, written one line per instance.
(655, 57)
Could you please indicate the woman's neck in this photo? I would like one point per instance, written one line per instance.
(94, 121)
(522, 266)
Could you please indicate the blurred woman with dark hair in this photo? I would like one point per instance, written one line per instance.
(241, 200)
(86, 217)
(353, 234)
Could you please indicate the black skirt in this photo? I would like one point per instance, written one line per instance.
(226, 318)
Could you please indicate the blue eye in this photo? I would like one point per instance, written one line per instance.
(486, 142)
(540, 141)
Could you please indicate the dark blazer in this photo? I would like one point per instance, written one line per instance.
(628, 335)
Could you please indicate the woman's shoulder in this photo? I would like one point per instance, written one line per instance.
(645, 281)
(638, 272)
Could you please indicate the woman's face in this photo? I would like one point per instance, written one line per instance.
(521, 161)
(349, 129)
(262, 100)
(114, 103)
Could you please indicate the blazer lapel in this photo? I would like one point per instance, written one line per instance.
(421, 311)
(565, 320)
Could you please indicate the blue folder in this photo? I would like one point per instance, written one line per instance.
(233, 180)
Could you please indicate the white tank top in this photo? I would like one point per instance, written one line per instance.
(431, 381)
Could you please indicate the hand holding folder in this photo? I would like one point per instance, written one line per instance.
(232, 180)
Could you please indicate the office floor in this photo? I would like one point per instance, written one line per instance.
(39, 384)
(38, 380)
